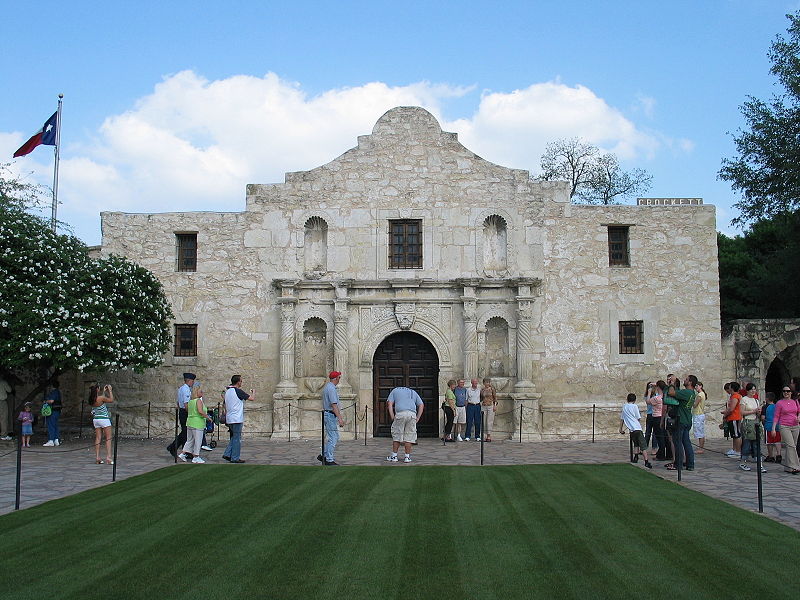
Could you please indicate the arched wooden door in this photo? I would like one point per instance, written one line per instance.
(406, 359)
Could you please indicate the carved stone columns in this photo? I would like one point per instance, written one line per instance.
(341, 339)
(525, 354)
(288, 304)
(470, 331)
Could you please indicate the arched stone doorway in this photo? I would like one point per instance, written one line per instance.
(406, 359)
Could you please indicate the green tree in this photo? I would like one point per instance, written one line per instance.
(61, 310)
(594, 178)
(766, 169)
(759, 269)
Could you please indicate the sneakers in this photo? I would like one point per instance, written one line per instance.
(763, 470)
(391, 458)
(228, 458)
(5, 438)
(769, 459)
(466, 439)
(49, 443)
(478, 438)
(198, 461)
(57, 443)
(745, 467)
(407, 458)
(459, 438)
(207, 448)
(732, 453)
(183, 457)
(648, 464)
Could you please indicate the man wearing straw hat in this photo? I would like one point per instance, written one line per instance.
(184, 395)
(332, 418)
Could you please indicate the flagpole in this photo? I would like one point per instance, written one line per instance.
(55, 169)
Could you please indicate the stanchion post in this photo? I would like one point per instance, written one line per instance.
(758, 469)
(116, 441)
(594, 407)
(355, 421)
(175, 439)
(290, 421)
(80, 423)
(322, 438)
(679, 455)
(483, 431)
(148, 420)
(366, 408)
(520, 423)
(19, 469)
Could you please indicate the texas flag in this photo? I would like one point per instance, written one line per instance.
(46, 135)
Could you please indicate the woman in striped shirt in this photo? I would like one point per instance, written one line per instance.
(102, 420)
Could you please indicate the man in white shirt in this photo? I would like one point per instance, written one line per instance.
(630, 418)
(235, 398)
(473, 411)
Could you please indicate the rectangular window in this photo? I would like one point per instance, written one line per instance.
(186, 251)
(618, 254)
(631, 337)
(185, 340)
(405, 244)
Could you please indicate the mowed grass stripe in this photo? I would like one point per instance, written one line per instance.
(221, 531)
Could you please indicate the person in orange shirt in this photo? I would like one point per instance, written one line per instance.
(733, 419)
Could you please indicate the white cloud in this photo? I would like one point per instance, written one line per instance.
(193, 144)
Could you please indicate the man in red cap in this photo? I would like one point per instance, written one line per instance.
(332, 417)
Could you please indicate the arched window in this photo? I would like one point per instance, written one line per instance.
(316, 245)
(495, 244)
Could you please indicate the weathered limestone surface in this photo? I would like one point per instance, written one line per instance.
(515, 283)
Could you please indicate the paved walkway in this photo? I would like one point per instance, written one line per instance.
(50, 473)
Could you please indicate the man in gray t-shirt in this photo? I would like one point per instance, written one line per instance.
(405, 410)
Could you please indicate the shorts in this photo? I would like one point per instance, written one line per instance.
(404, 427)
(27, 429)
(101, 423)
(733, 429)
(773, 438)
(637, 437)
(461, 414)
(699, 426)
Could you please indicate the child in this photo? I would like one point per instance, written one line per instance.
(26, 416)
(773, 439)
(630, 418)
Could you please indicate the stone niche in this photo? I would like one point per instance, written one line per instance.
(498, 355)
(495, 244)
(315, 348)
(315, 247)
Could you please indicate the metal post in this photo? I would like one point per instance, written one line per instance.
(679, 457)
(322, 437)
(80, 423)
(175, 439)
(366, 408)
(520, 423)
(290, 421)
(355, 421)
(483, 431)
(19, 468)
(758, 468)
(148, 420)
(116, 439)
(594, 407)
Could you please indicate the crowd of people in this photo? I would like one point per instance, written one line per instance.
(469, 410)
(675, 408)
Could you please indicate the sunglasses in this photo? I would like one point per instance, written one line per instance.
(787, 391)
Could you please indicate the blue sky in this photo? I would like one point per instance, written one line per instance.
(173, 106)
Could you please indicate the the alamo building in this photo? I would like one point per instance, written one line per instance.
(409, 260)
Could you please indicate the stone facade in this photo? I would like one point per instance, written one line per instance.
(514, 283)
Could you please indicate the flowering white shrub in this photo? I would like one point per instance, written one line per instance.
(62, 310)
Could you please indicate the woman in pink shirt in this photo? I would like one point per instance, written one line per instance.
(787, 415)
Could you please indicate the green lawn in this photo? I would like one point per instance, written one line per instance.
(538, 531)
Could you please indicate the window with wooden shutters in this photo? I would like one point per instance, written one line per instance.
(185, 340)
(186, 251)
(631, 337)
(405, 244)
(618, 246)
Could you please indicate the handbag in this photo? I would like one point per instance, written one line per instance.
(47, 410)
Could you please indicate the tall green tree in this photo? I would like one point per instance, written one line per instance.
(766, 168)
(759, 270)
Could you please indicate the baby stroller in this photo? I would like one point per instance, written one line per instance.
(212, 427)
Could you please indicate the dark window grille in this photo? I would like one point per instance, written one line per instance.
(186, 245)
(618, 247)
(185, 340)
(631, 337)
(405, 244)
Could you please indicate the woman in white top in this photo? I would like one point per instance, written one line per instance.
(751, 414)
(101, 419)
